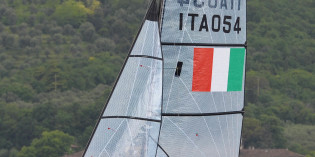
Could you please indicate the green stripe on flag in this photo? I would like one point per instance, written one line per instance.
(236, 69)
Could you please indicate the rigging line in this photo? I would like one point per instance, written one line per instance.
(202, 116)
(188, 35)
(227, 124)
(187, 136)
(146, 31)
(185, 22)
(133, 145)
(219, 123)
(158, 145)
(111, 138)
(179, 52)
(163, 150)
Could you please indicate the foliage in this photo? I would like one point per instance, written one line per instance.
(59, 59)
(50, 144)
(265, 132)
(70, 12)
(300, 137)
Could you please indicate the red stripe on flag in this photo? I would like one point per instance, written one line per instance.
(203, 61)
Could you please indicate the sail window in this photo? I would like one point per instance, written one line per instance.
(178, 69)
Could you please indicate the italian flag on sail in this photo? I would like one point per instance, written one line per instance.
(218, 69)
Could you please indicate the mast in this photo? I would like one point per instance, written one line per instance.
(130, 122)
(204, 50)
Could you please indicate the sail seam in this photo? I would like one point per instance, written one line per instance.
(130, 117)
(145, 56)
(201, 114)
(202, 44)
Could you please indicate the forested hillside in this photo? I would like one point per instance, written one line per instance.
(60, 58)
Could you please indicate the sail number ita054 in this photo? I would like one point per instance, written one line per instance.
(218, 23)
(204, 21)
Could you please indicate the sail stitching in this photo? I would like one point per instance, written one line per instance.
(202, 117)
(179, 52)
(132, 144)
(188, 35)
(107, 152)
(136, 71)
(153, 47)
(111, 138)
(232, 123)
(186, 136)
(219, 122)
(237, 105)
(147, 107)
(227, 124)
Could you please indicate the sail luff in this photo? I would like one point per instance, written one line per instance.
(159, 26)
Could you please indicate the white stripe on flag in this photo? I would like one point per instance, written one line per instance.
(221, 61)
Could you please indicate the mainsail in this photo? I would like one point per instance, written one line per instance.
(131, 120)
(181, 95)
(203, 44)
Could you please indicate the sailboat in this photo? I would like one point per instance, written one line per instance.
(180, 92)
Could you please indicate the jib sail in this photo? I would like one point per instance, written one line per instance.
(203, 44)
(130, 122)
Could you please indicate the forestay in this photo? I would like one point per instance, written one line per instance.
(130, 122)
(204, 50)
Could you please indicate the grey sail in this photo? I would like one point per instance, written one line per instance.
(130, 122)
(204, 49)
(181, 95)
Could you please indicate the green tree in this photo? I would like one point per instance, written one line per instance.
(273, 132)
(70, 12)
(253, 132)
(50, 144)
(311, 154)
